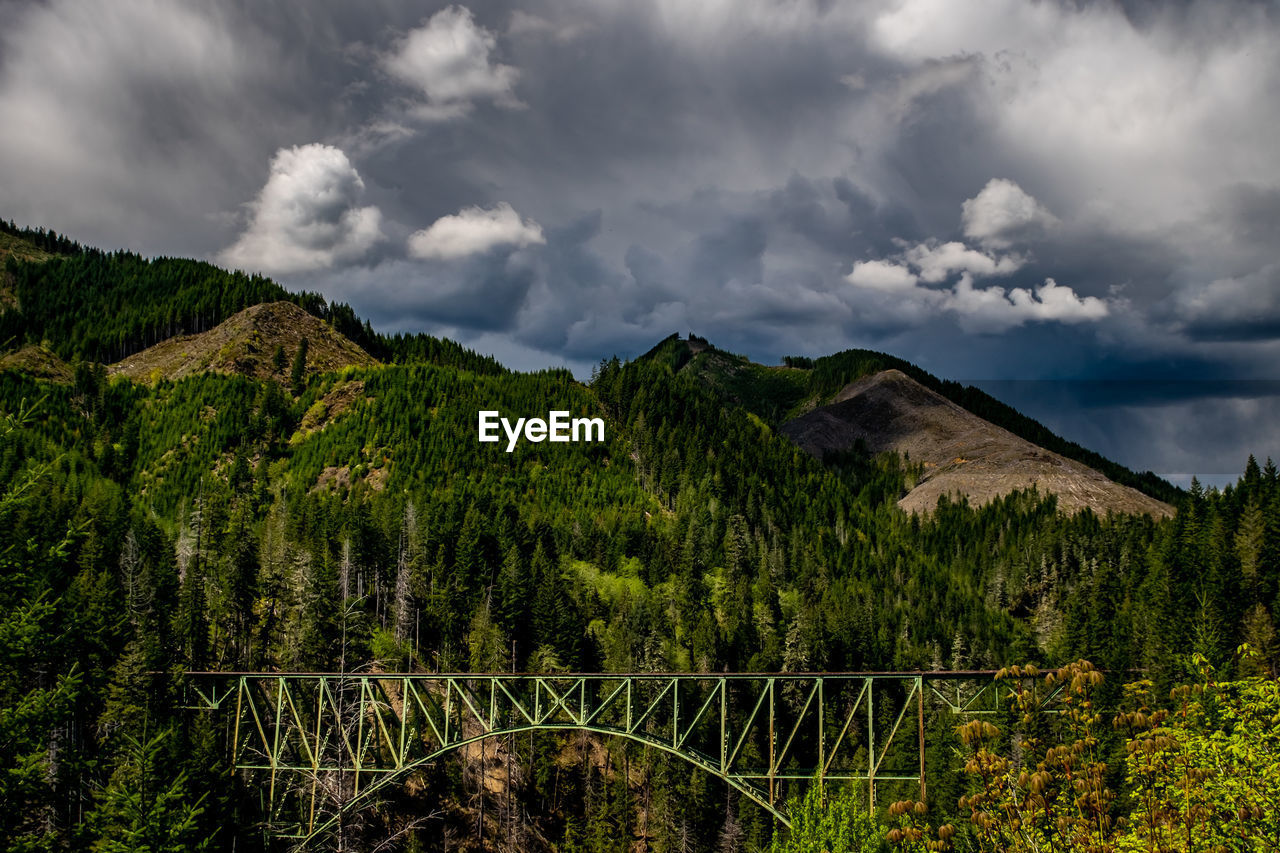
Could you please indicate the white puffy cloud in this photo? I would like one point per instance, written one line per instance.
(1002, 212)
(899, 297)
(472, 231)
(937, 262)
(992, 309)
(882, 275)
(449, 59)
(930, 262)
(899, 285)
(307, 216)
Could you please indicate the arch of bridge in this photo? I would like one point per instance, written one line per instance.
(757, 796)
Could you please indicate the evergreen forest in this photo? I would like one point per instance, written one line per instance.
(350, 521)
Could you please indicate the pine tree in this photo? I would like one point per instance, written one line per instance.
(30, 713)
(1259, 631)
(1250, 541)
(486, 646)
(298, 374)
(138, 596)
(514, 594)
(191, 620)
(146, 806)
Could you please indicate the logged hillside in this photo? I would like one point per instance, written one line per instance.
(37, 361)
(350, 520)
(779, 394)
(961, 454)
(13, 246)
(261, 342)
(89, 305)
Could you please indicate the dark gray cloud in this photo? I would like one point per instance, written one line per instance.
(560, 180)
(1178, 429)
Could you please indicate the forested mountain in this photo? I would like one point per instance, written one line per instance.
(779, 394)
(350, 520)
(91, 305)
(959, 453)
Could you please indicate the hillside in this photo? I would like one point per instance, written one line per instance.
(38, 362)
(961, 454)
(1004, 450)
(246, 344)
(14, 246)
(219, 521)
(87, 304)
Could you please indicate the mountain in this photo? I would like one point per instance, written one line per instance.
(876, 403)
(86, 304)
(351, 520)
(961, 454)
(258, 342)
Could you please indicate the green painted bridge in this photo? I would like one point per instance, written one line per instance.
(322, 745)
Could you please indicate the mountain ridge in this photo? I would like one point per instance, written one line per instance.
(962, 454)
(776, 394)
(354, 523)
(779, 394)
(247, 343)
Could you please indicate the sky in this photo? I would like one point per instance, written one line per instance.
(1045, 198)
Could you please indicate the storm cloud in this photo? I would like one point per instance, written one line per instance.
(1002, 189)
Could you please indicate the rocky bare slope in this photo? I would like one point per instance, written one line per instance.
(961, 453)
(246, 343)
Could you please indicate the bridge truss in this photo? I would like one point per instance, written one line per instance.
(327, 744)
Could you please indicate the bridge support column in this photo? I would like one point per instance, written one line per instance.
(920, 731)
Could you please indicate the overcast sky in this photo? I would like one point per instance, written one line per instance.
(995, 189)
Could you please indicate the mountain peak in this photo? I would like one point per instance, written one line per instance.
(247, 343)
(961, 453)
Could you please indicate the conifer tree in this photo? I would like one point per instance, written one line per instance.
(147, 806)
(298, 373)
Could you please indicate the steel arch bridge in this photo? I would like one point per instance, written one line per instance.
(326, 744)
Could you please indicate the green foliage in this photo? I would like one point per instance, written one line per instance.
(31, 709)
(298, 373)
(38, 690)
(1202, 773)
(46, 240)
(223, 522)
(834, 821)
(146, 808)
(1198, 770)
